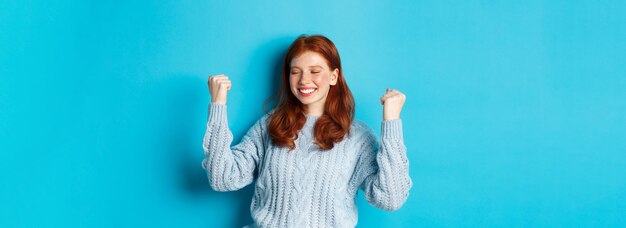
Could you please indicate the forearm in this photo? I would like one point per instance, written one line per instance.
(388, 188)
(220, 162)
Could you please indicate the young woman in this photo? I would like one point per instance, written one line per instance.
(309, 156)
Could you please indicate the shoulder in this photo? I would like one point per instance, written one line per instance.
(262, 124)
(359, 130)
(263, 121)
(362, 139)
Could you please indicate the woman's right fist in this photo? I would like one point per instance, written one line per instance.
(218, 87)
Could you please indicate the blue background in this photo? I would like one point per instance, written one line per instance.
(515, 115)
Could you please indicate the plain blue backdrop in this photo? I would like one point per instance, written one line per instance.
(515, 112)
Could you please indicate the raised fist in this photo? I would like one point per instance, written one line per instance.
(392, 103)
(218, 88)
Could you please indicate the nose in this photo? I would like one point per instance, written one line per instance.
(305, 79)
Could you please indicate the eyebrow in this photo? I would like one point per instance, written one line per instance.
(309, 66)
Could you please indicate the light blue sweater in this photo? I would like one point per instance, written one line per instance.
(308, 187)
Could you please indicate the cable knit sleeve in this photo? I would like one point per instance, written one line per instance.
(383, 170)
(229, 168)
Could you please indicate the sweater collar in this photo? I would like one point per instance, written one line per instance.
(311, 119)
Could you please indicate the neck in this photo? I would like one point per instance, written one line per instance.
(314, 109)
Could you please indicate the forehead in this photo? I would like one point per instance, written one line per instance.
(308, 59)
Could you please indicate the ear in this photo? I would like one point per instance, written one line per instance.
(333, 76)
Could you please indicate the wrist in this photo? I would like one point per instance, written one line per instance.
(222, 102)
(391, 117)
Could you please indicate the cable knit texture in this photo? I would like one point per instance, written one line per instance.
(308, 187)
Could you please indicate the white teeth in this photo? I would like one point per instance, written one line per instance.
(307, 91)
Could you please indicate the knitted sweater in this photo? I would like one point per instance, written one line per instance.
(308, 187)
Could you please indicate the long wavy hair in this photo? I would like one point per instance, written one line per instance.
(288, 116)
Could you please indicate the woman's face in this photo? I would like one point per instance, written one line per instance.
(310, 79)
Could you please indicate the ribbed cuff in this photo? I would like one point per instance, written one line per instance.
(392, 129)
(217, 113)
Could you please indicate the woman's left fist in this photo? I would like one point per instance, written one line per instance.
(392, 103)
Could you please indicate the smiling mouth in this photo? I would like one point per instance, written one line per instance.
(307, 92)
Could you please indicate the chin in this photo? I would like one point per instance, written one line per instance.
(305, 102)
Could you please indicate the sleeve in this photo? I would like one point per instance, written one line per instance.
(229, 168)
(383, 170)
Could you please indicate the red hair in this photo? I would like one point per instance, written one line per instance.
(288, 116)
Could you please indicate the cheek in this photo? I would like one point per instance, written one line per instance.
(293, 81)
(322, 80)
(293, 84)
